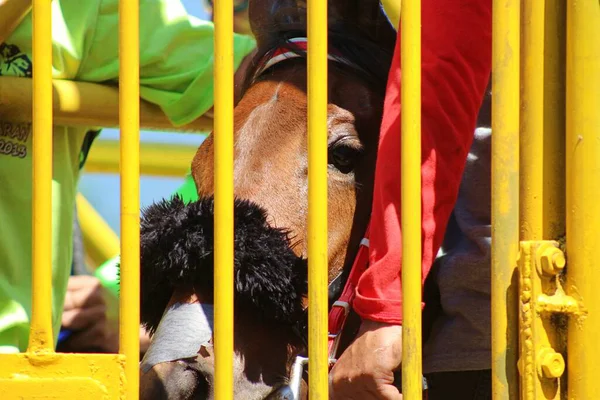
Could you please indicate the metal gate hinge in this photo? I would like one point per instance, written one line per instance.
(543, 308)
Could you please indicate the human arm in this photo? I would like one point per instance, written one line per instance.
(456, 63)
(176, 57)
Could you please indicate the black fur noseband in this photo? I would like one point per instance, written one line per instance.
(177, 250)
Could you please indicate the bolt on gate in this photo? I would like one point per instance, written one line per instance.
(546, 97)
(546, 80)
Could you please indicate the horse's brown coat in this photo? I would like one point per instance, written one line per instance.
(271, 159)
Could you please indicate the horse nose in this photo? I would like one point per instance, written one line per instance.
(174, 380)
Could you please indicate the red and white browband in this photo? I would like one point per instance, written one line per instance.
(300, 43)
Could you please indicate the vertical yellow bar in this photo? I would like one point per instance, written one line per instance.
(317, 200)
(223, 137)
(583, 192)
(40, 334)
(532, 121)
(505, 196)
(129, 121)
(554, 119)
(412, 384)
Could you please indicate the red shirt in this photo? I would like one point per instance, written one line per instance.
(456, 64)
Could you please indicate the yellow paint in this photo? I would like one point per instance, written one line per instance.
(392, 9)
(583, 192)
(505, 196)
(317, 200)
(223, 137)
(84, 104)
(129, 121)
(538, 335)
(42, 373)
(532, 121)
(551, 364)
(542, 298)
(554, 119)
(412, 385)
(41, 338)
(156, 159)
(61, 376)
(99, 240)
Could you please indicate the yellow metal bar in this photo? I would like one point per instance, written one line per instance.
(156, 159)
(541, 202)
(100, 242)
(412, 385)
(61, 376)
(129, 118)
(532, 121)
(12, 13)
(505, 196)
(554, 119)
(583, 192)
(317, 200)
(392, 9)
(223, 136)
(41, 338)
(84, 104)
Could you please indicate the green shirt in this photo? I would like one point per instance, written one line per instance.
(176, 73)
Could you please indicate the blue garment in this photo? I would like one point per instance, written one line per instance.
(65, 334)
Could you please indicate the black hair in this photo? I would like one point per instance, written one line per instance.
(177, 249)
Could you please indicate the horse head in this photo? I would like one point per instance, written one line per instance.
(271, 162)
(177, 288)
(271, 154)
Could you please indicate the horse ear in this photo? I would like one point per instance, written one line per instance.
(366, 18)
(270, 19)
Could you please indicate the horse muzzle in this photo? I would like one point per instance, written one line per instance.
(173, 381)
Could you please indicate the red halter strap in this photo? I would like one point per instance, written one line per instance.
(341, 308)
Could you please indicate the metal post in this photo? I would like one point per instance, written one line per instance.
(40, 336)
(317, 200)
(412, 384)
(505, 196)
(583, 192)
(129, 120)
(223, 137)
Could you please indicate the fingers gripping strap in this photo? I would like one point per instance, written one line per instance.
(183, 329)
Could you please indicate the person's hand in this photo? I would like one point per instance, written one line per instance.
(85, 313)
(366, 369)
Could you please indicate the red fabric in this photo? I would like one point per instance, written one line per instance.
(456, 62)
(337, 315)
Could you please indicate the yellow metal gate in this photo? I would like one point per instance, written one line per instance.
(546, 98)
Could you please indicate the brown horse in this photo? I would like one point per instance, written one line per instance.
(271, 168)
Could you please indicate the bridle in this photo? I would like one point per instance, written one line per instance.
(298, 45)
(341, 307)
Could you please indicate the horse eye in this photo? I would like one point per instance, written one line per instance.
(343, 158)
